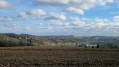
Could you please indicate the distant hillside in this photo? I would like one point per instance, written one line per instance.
(11, 39)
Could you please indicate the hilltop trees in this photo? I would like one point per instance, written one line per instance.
(9, 40)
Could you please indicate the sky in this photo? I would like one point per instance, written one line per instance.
(60, 17)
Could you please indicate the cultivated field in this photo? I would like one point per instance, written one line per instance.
(58, 57)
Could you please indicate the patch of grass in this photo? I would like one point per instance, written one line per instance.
(80, 37)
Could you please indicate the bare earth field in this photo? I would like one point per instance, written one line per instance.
(58, 57)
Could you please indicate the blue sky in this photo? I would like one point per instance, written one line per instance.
(57, 17)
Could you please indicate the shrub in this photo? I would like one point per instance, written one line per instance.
(109, 45)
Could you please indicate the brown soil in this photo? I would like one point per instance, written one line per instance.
(58, 57)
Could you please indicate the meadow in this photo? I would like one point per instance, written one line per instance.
(35, 56)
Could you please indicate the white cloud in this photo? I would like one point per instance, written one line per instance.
(103, 2)
(12, 25)
(51, 2)
(4, 4)
(87, 4)
(106, 20)
(23, 15)
(99, 20)
(40, 24)
(98, 24)
(96, 27)
(5, 19)
(59, 24)
(116, 18)
(55, 17)
(78, 24)
(36, 13)
(82, 4)
(74, 19)
(74, 10)
(84, 19)
(114, 13)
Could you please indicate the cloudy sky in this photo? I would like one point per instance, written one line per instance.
(60, 17)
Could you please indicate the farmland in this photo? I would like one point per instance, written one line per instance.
(35, 56)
